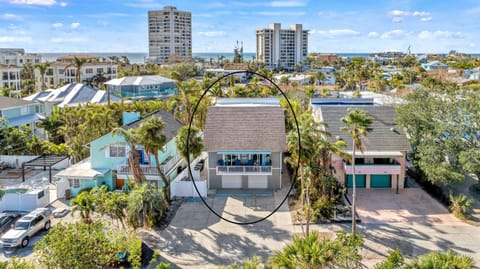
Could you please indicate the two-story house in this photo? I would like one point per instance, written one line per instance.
(108, 161)
(17, 112)
(245, 140)
(382, 163)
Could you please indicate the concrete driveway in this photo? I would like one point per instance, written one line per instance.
(197, 238)
(412, 221)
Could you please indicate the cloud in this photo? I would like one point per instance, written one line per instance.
(67, 39)
(63, 4)
(394, 34)
(75, 25)
(212, 33)
(426, 19)
(34, 2)
(287, 4)
(336, 33)
(150, 4)
(440, 35)
(472, 45)
(57, 25)
(10, 16)
(400, 15)
(281, 13)
(14, 39)
(373, 34)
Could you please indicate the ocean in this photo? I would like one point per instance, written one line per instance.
(139, 57)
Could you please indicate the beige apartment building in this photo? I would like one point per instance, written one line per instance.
(18, 57)
(282, 48)
(169, 35)
(63, 71)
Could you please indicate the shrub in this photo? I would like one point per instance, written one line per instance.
(460, 205)
(394, 260)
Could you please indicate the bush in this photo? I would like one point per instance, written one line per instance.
(394, 260)
(460, 205)
(439, 260)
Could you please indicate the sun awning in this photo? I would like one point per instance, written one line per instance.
(82, 170)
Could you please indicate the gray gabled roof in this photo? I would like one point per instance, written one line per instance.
(386, 136)
(7, 102)
(171, 128)
(245, 128)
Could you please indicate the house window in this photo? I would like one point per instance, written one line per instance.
(116, 151)
(41, 194)
(89, 70)
(24, 110)
(74, 183)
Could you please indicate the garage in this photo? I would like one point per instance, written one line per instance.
(232, 182)
(257, 182)
(359, 180)
(380, 181)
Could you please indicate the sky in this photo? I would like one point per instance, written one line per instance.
(345, 26)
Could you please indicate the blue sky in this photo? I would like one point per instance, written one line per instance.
(335, 26)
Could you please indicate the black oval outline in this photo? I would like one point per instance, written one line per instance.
(188, 149)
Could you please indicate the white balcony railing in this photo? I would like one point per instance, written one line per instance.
(374, 169)
(244, 170)
(149, 170)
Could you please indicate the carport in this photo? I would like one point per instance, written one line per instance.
(43, 161)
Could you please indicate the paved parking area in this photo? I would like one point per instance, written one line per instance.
(412, 221)
(197, 238)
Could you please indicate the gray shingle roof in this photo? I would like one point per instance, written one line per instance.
(171, 128)
(7, 102)
(381, 138)
(245, 128)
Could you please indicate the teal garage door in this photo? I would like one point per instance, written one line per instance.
(359, 180)
(380, 181)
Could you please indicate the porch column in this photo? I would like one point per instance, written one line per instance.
(368, 183)
(394, 181)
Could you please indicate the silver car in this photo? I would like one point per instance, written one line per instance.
(26, 227)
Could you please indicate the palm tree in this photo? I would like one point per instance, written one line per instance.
(78, 63)
(85, 203)
(195, 144)
(357, 123)
(42, 68)
(145, 206)
(132, 139)
(151, 137)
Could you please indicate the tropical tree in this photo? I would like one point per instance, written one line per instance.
(77, 63)
(195, 145)
(42, 68)
(151, 137)
(132, 139)
(445, 260)
(145, 207)
(357, 123)
(85, 203)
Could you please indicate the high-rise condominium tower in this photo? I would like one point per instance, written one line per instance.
(169, 34)
(282, 48)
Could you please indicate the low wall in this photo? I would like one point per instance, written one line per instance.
(25, 201)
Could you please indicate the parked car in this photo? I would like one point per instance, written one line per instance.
(6, 221)
(26, 227)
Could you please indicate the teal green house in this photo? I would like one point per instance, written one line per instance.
(108, 161)
(16, 112)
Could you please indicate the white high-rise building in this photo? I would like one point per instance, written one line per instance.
(282, 48)
(18, 57)
(169, 35)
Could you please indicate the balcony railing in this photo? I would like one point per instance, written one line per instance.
(244, 170)
(374, 169)
(149, 170)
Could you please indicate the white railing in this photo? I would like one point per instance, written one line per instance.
(182, 185)
(149, 170)
(243, 170)
(374, 169)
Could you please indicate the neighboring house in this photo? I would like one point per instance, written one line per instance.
(17, 112)
(140, 87)
(472, 74)
(245, 140)
(382, 163)
(108, 162)
(243, 76)
(10, 77)
(72, 94)
(328, 72)
(434, 65)
(63, 71)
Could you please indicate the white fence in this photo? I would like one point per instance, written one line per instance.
(182, 185)
(16, 161)
(18, 201)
